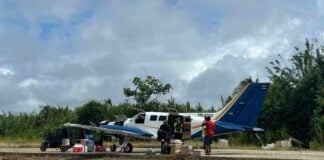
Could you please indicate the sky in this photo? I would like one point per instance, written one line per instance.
(68, 52)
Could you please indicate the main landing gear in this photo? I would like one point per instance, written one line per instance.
(125, 147)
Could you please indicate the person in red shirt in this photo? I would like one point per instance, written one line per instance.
(209, 134)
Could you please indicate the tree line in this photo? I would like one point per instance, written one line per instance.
(36, 125)
(294, 106)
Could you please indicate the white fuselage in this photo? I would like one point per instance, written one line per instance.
(151, 121)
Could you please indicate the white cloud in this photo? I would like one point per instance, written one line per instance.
(28, 82)
(296, 21)
(194, 70)
(6, 71)
(320, 7)
(82, 87)
(66, 52)
(27, 105)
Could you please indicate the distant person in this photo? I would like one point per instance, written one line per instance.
(178, 129)
(209, 134)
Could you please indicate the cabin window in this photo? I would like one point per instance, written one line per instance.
(162, 118)
(153, 118)
(140, 118)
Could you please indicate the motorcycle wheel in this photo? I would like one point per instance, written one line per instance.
(43, 146)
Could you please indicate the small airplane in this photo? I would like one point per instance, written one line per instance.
(239, 115)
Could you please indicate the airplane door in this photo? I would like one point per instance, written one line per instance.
(186, 130)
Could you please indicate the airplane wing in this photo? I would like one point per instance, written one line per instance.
(114, 130)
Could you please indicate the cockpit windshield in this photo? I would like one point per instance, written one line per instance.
(140, 118)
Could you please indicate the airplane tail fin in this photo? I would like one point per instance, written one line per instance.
(244, 108)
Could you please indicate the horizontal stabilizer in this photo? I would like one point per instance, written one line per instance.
(256, 129)
(229, 126)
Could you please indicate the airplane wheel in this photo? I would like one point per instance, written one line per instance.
(113, 148)
(64, 148)
(43, 146)
(128, 148)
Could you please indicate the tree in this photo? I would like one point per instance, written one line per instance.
(242, 83)
(51, 117)
(146, 88)
(199, 108)
(293, 98)
(92, 111)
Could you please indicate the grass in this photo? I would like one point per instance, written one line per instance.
(14, 142)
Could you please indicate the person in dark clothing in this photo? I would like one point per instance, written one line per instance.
(164, 134)
(178, 129)
(164, 131)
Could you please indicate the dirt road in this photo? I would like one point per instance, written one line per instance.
(140, 153)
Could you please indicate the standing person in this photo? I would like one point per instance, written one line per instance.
(209, 134)
(164, 134)
(165, 130)
(178, 129)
